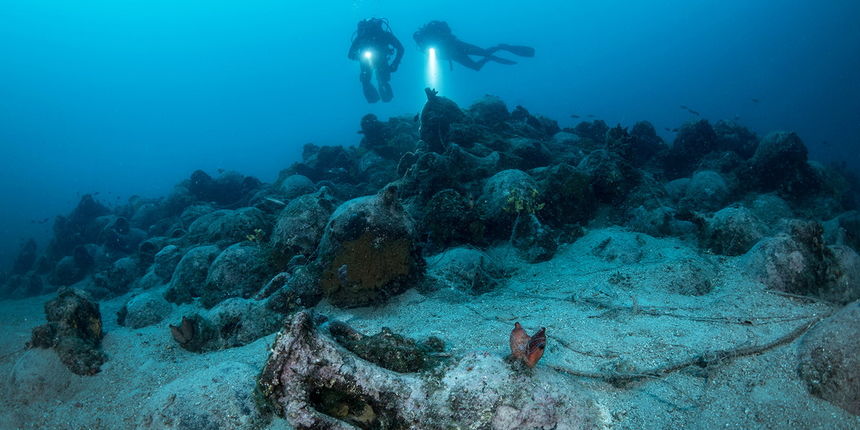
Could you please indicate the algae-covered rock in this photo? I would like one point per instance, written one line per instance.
(799, 262)
(463, 269)
(694, 141)
(146, 309)
(190, 274)
(239, 271)
(295, 185)
(74, 331)
(506, 195)
(436, 118)
(230, 226)
(296, 290)
(451, 219)
(165, 261)
(733, 231)
(231, 323)
(611, 176)
(567, 196)
(707, 191)
(778, 160)
(118, 277)
(299, 227)
(388, 349)
(368, 252)
(830, 359)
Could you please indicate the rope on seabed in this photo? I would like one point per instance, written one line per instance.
(9, 354)
(704, 359)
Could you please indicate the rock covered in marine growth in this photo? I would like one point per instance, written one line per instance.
(780, 164)
(369, 251)
(436, 118)
(165, 261)
(238, 271)
(799, 262)
(74, 331)
(190, 274)
(707, 191)
(299, 226)
(467, 270)
(233, 322)
(145, 309)
(228, 226)
(294, 186)
(733, 231)
(450, 218)
(694, 141)
(117, 278)
(830, 359)
(504, 197)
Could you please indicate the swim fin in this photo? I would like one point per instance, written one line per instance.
(522, 51)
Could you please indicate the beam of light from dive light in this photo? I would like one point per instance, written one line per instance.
(368, 55)
(432, 69)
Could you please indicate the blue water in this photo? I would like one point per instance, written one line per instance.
(130, 97)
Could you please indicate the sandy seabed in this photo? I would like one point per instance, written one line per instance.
(601, 314)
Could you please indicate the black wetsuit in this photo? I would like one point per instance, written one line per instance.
(437, 35)
(373, 47)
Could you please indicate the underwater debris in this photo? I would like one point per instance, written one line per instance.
(313, 382)
(74, 331)
(527, 349)
(388, 349)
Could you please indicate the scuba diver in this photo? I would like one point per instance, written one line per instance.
(373, 44)
(438, 35)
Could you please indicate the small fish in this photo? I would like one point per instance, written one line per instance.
(686, 108)
(573, 115)
(825, 143)
(276, 201)
(590, 116)
(221, 171)
(39, 221)
(755, 100)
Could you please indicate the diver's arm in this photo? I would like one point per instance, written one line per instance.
(353, 50)
(399, 55)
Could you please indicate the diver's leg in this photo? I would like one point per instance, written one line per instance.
(470, 63)
(369, 91)
(464, 50)
(500, 60)
(383, 78)
(469, 49)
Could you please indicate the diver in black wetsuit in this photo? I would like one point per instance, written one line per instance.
(438, 35)
(372, 45)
